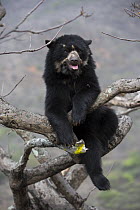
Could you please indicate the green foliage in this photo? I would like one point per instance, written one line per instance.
(125, 186)
(128, 176)
(116, 199)
(17, 151)
(2, 178)
(133, 161)
(3, 131)
(32, 161)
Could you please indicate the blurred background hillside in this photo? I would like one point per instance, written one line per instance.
(115, 59)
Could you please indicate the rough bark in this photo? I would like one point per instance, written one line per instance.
(2, 11)
(19, 119)
(21, 178)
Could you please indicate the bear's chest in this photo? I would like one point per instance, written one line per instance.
(72, 89)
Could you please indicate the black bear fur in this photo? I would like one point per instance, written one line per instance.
(73, 85)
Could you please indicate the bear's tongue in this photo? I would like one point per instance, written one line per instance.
(74, 67)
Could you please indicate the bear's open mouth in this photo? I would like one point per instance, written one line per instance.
(74, 67)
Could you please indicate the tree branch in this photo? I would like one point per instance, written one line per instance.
(123, 39)
(6, 164)
(82, 13)
(37, 142)
(22, 21)
(126, 112)
(72, 196)
(42, 156)
(74, 172)
(60, 163)
(19, 119)
(48, 169)
(29, 13)
(14, 87)
(31, 50)
(2, 11)
(19, 180)
(43, 171)
(120, 86)
(124, 102)
(131, 12)
(63, 186)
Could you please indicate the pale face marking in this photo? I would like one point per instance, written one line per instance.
(73, 47)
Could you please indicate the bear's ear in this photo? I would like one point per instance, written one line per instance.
(49, 44)
(88, 42)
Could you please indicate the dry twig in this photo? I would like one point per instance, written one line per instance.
(14, 87)
(130, 12)
(82, 13)
(123, 39)
(22, 21)
(32, 50)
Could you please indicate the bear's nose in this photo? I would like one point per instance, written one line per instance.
(74, 61)
(73, 58)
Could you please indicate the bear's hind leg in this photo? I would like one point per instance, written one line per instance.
(92, 161)
(101, 123)
(97, 131)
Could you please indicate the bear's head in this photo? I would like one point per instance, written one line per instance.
(69, 54)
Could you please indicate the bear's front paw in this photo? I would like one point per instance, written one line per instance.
(78, 118)
(67, 140)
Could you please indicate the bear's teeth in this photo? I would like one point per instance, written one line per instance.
(74, 67)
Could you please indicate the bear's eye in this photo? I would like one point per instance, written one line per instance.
(65, 50)
(79, 52)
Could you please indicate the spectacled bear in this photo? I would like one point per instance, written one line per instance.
(72, 84)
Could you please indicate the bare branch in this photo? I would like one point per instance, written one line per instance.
(14, 87)
(128, 111)
(20, 193)
(16, 180)
(60, 163)
(7, 113)
(63, 186)
(13, 118)
(125, 124)
(36, 197)
(44, 187)
(72, 196)
(123, 39)
(2, 31)
(24, 51)
(19, 119)
(48, 197)
(37, 142)
(32, 50)
(82, 13)
(2, 11)
(23, 20)
(74, 172)
(27, 119)
(48, 169)
(120, 86)
(131, 12)
(29, 13)
(123, 102)
(12, 38)
(6, 164)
